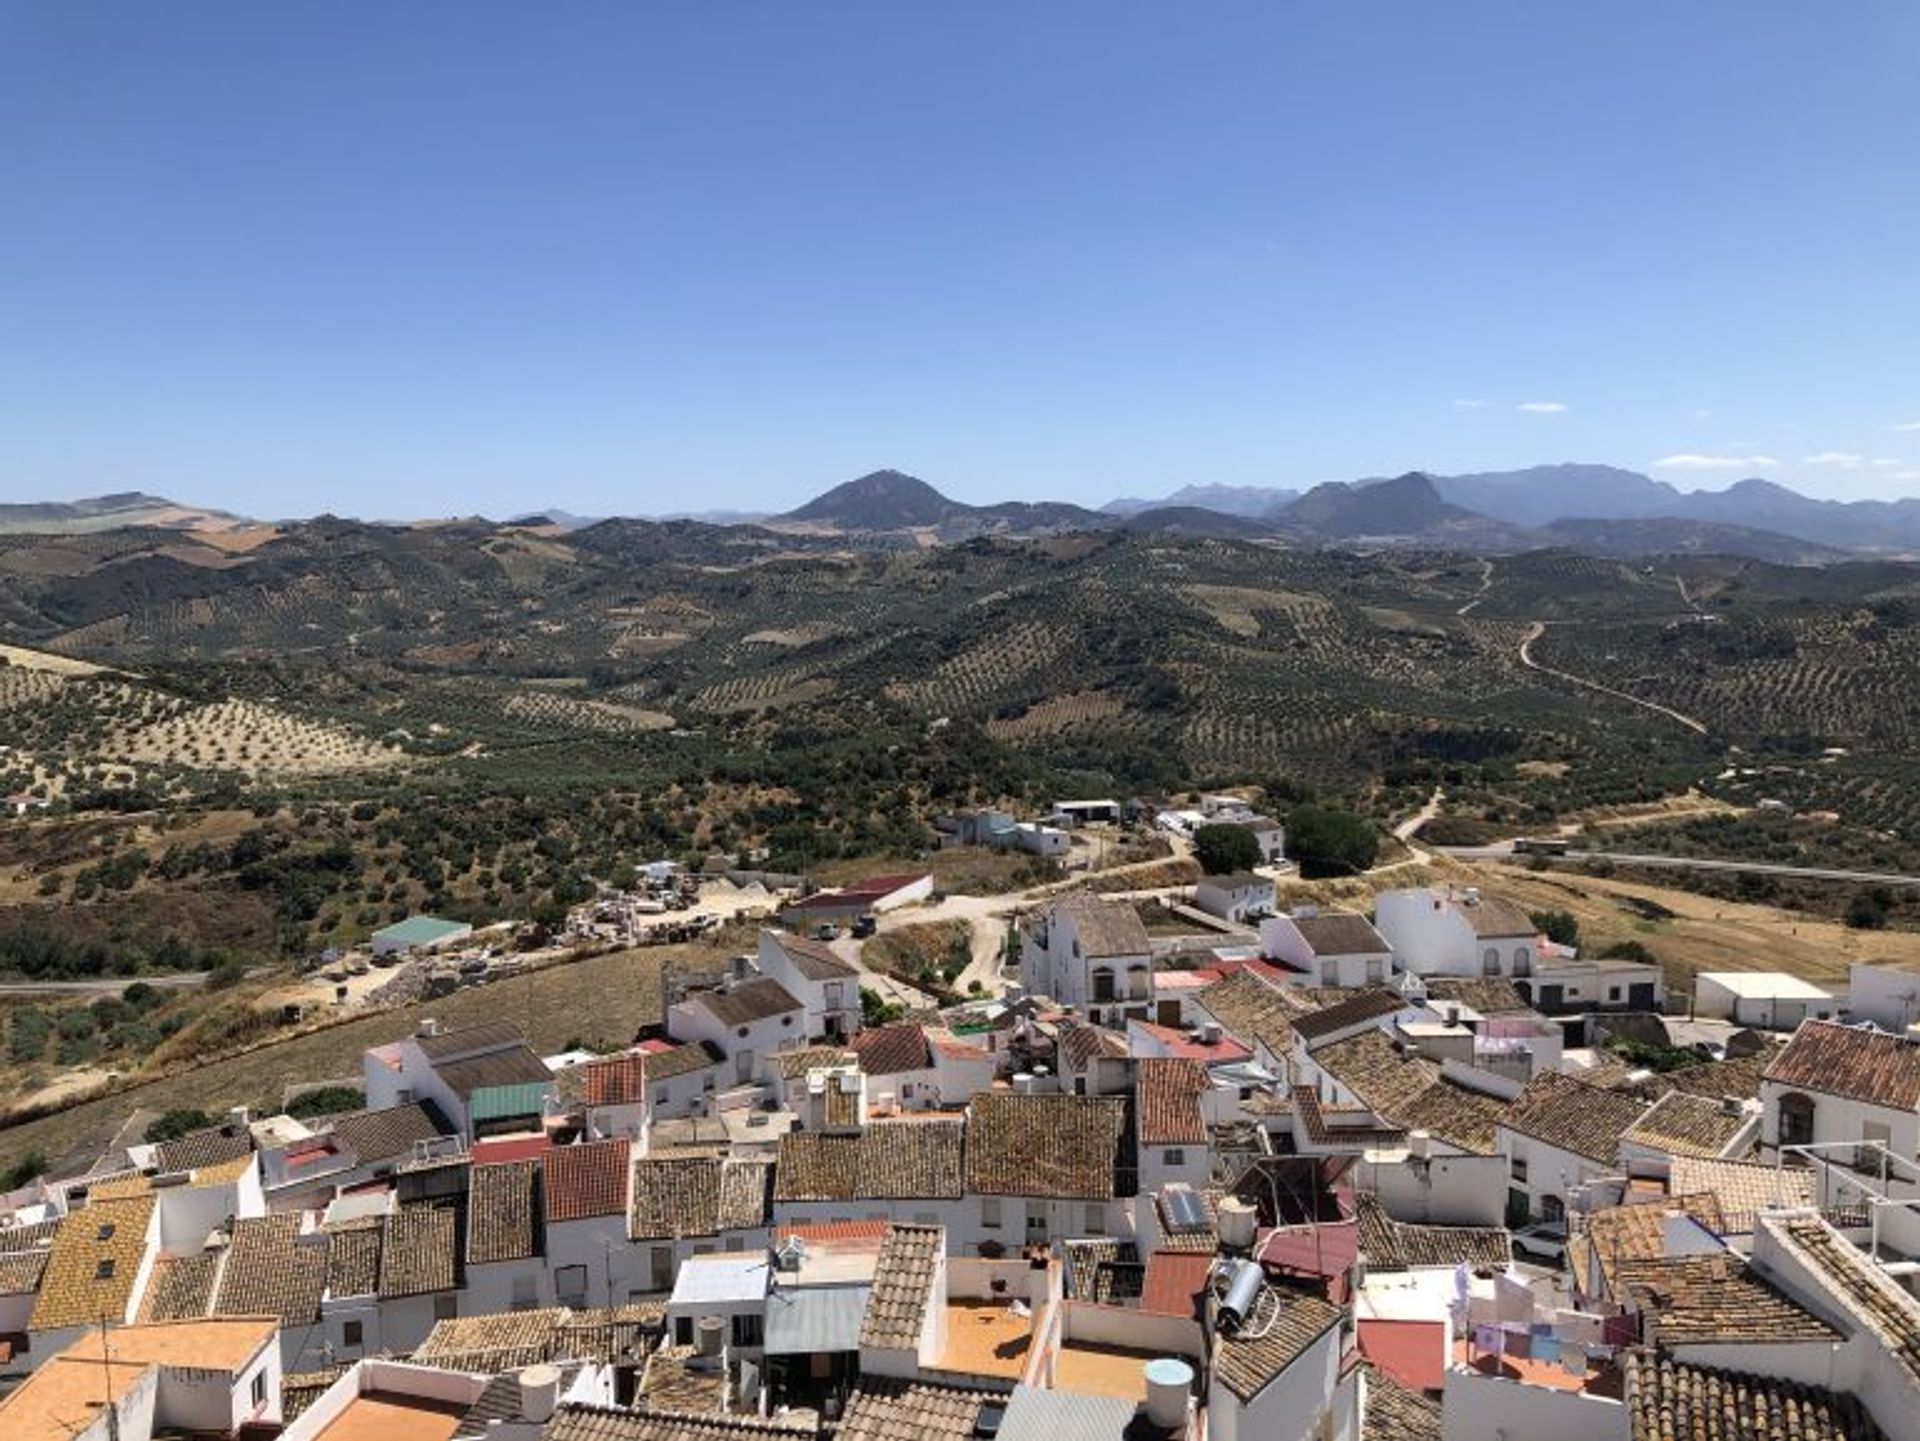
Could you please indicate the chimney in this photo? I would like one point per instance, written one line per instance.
(428, 1027)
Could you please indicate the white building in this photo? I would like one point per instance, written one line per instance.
(447, 1067)
(1770, 1000)
(1839, 1086)
(1240, 897)
(1888, 996)
(1441, 931)
(748, 1021)
(1091, 954)
(827, 985)
(1328, 948)
(1559, 1136)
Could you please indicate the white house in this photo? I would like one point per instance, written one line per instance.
(748, 1021)
(827, 985)
(1270, 836)
(1841, 1085)
(506, 1262)
(1041, 1167)
(1240, 897)
(1287, 1381)
(1444, 931)
(1559, 1135)
(920, 1068)
(686, 1206)
(1331, 948)
(1887, 996)
(587, 1190)
(1091, 954)
(902, 1170)
(447, 1067)
(1770, 1000)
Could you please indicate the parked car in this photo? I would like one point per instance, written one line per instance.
(865, 926)
(1543, 1241)
(827, 931)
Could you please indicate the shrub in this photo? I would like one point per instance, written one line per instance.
(1330, 842)
(174, 1124)
(1223, 849)
(1560, 927)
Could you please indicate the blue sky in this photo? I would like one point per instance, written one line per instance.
(429, 258)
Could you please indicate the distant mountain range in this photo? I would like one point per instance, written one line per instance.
(1598, 509)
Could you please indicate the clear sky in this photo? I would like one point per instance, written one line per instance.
(435, 258)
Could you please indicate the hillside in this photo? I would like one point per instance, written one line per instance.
(112, 512)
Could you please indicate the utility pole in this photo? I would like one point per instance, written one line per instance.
(106, 1369)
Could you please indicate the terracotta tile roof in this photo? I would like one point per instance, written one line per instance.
(747, 1002)
(1060, 1146)
(1669, 1401)
(503, 1213)
(1340, 933)
(813, 959)
(1488, 995)
(1246, 1367)
(1854, 1062)
(300, 1389)
(1573, 1116)
(1313, 1120)
(93, 1264)
(29, 1237)
(1082, 1045)
(1393, 1413)
(681, 1061)
(1680, 1124)
(119, 1186)
(496, 1068)
(270, 1271)
(1250, 1010)
(1167, 1096)
(670, 1381)
(888, 1160)
(1455, 1114)
(746, 1193)
(612, 1080)
(1494, 918)
(887, 1409)
(1890, 1313)
(1708, 1300)
(381, 1135)
(1716, 1079)
(793, 1065)
(902, 1287)
(889, 1050)
(1370, 1067)
(1100, 1268)
(1373, 1004)
(682, 1196)
(587, 1180)
(204, 1148)
(594, 1423)
(1172, 1281)
(353, 1257)
(470, 1040)
(20, 1272)
(1620, 1234)
(1392, 1245)
(1105, 928)
(418, 1252)
(182, 1287)
(502, 1341)
(609, 1334)
(1745, 1188)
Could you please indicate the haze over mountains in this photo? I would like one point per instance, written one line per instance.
(1597, 509)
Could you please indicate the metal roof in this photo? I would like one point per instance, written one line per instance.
(421, 931)
(494, 1103)
(803, 1320)
(720, 1278)
(1035, 1415)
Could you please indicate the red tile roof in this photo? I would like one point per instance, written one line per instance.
(589, 1180)
(615, 1081)
(1174, 1278)
(1176, 1042)
(1414, 1353)
(492, 1150)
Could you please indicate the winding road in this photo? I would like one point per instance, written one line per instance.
(1538, 628)
(1504, 851)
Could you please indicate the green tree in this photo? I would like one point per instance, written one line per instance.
(1560, 927)
(174, 1124)
(1223, 849)
(1327, 841)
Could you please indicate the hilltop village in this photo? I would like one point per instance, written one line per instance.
(1173, 1165)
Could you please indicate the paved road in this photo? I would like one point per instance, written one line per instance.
(169, 982)
(1504, 851)
(1538, 628)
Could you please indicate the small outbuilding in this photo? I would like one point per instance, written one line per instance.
(419, 933)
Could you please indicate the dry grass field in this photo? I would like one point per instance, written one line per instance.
(602, 1001)
(908, 951)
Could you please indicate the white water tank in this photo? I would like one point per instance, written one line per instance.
(1169, 1385)
(539, 1393)
(1236, 1222)
(1024, 1084)
(1419, 1145)
(709, 1335)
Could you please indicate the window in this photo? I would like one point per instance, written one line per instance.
(1522, 961)
(1096, 1219)
(1520, 1169)
(1173, 1156)
(570, 1285)
(925, 1218)
(103, 1270)
(659, 1095)
(526, 1293)
(105, 1233)
(1329, 973)
(990, 1212)
(1490, 962)
(683, 1330)
(1103, 983)
(446, 1306)
(735, 1243)
(353, 1333)
(1553, 1210)
(259, 1389)
(1796, 1119)
(786, 1020)
(1376, 970)
(836, 994)
(1036, 1217)
(746, 1330)
(1613, 993)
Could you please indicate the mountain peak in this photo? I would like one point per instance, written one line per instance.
(878, 500)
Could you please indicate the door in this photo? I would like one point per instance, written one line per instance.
(743, 1065)
(1640, 995)
(1550, 998)
(1168, 1013)
(661, 1268)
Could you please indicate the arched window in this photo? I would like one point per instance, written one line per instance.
(1796, 1119)
(1139, 983)
(1103, 983)
(1490, 962)
(1522, 961)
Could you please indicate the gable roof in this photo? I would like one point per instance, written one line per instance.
(1372, 1004)
(1495, 918)
(750, 1001)
(902, 1286)
(1082, 1045)
(1105, 928)
(210, 1147)
(613, 1080)
(418, 1253)
(813, 959)
(883, 1408)
(890, 1050)
(381, 1135)
(1392, 1245)
(1619, 1234)
(1167, 1094)
(1486, 995)
(1247, 1364)
(505, 1067)
(1250, 1010)
(353, 1256)
(271, 1271)
(1573, 1116)
(573, 1422)
(1711, 1300)
(887, 1160)
(677, 1196)
(469, 1040)
(1856, 1062)
(1393, 1413)
(1049, 1145)
(1340, 933)
(1879, 1303)
(1667, 1400)
(497, 1341)
(1745, 1188)
(1683, 1124)
(587, 1180)
(503, 1212)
